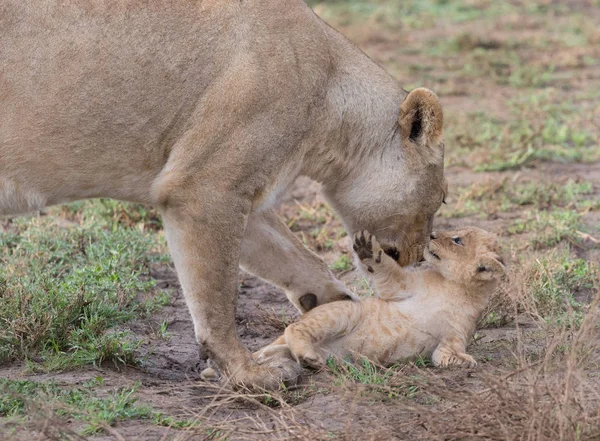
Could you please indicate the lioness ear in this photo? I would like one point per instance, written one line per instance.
(421, 117)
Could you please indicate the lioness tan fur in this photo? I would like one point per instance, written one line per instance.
(210, 110)
(428, 310)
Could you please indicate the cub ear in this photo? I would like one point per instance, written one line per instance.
(421, 118)
(490, 264)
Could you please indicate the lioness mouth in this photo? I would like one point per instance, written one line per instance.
(393, 253)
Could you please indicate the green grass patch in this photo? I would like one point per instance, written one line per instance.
(556, 280)
(80, 403)
(411, 13)
(504, 65)
(548, 228)
(64, 291)
(539, 130)
(496, 195)
(316, 224)
(361, 371)
(93, 408)
(110, 213)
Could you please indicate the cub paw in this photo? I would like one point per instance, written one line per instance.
(463, 360)
(272, 351)
(367, 249)
(307, 356)
(311, 359)
(272, 373)
(467, 360)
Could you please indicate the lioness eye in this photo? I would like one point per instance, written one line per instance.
(457, 240)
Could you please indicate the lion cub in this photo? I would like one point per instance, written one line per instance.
(428, 309)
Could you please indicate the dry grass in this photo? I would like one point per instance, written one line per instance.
(553, 398)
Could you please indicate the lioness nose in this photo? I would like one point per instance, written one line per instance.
(433, 235)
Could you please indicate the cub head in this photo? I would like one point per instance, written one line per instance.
(395, 189)
(469, 256)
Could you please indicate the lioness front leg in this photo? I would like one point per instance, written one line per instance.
(197, 221)
(272, 252)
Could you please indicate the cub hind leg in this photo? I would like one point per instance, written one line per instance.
(309, 338)
(278, 348)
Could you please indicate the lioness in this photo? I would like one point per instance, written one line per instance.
(210, 110)
(429, 310)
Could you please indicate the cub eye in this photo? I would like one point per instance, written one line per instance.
(481, 269)
(457, 240)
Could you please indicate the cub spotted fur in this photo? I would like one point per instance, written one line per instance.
(429, 309)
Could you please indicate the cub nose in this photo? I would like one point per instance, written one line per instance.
(433, 235)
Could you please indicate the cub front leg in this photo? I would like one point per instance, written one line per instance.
(390, 279)
(273, 253)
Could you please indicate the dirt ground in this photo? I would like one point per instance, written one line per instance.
(417, 402)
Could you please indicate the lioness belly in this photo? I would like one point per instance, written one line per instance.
(92, 101)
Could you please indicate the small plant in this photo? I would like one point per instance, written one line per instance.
(343, 263)
(162, 330)
(362, 287)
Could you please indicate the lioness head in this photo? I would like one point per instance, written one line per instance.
(395, 191)
(467, 256)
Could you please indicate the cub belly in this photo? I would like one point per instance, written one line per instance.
(384, 335)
